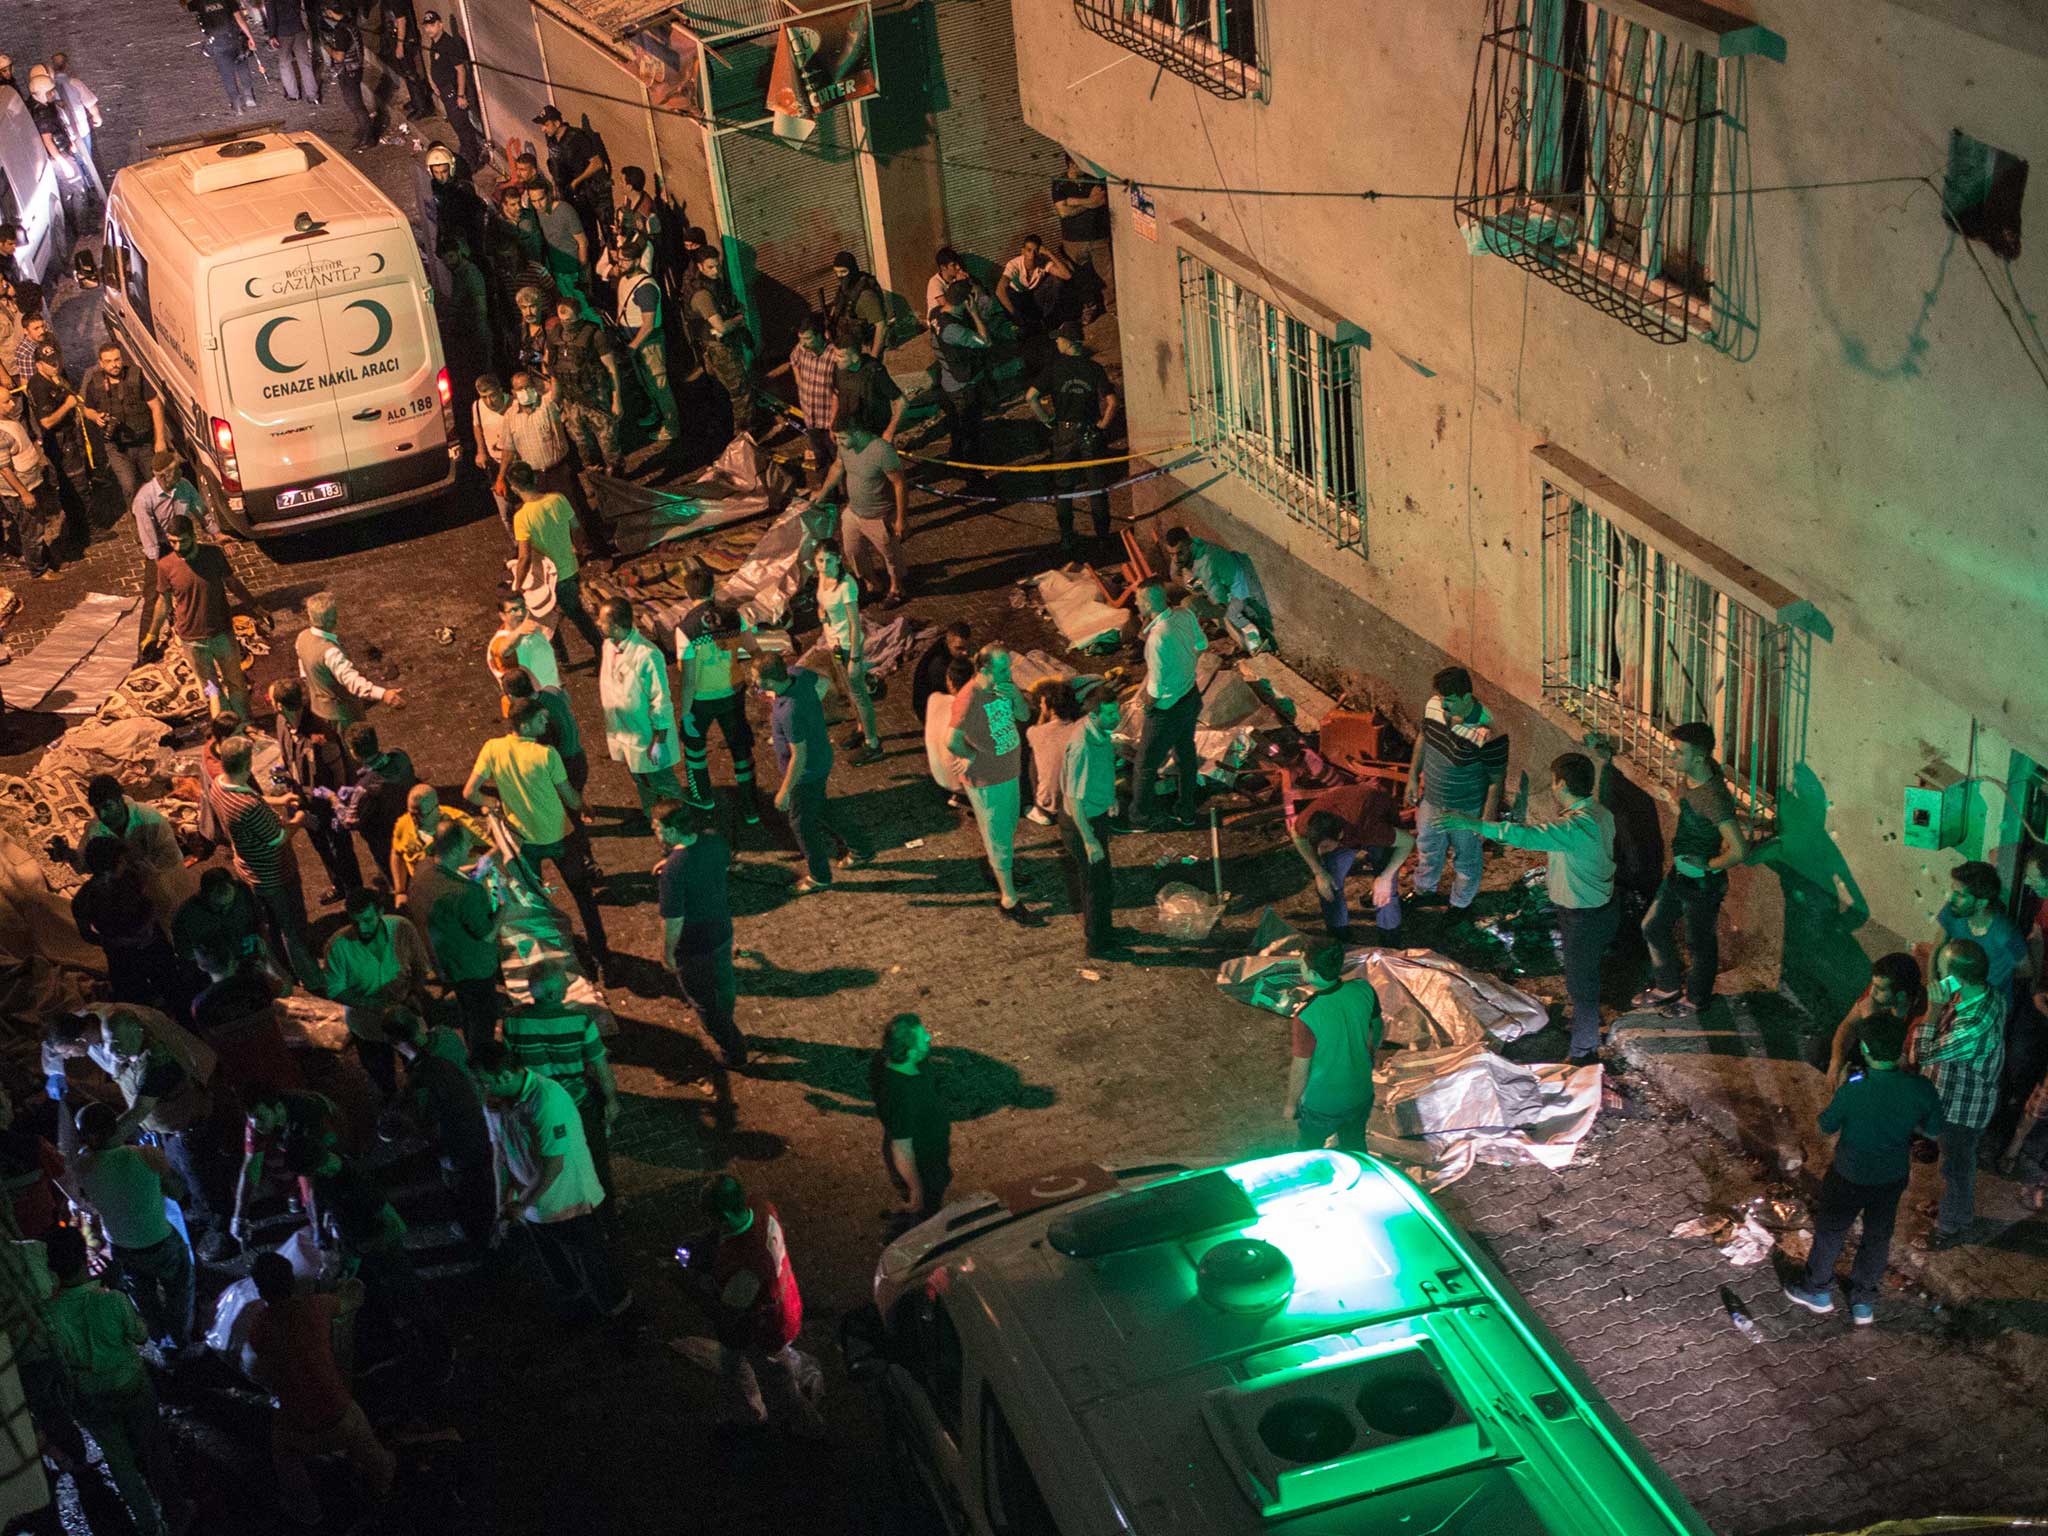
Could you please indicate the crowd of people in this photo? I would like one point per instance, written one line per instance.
(187, 1126)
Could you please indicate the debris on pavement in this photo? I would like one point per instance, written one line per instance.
(1738, 1314)
(1185, 912)
(1741, 1239)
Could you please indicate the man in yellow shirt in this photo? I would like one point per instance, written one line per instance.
(414, 833)
(545, 525)
(537, 802)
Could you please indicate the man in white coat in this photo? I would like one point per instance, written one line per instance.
(639, 714)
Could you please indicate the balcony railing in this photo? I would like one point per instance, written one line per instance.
(1606, 152)
(1213, 43)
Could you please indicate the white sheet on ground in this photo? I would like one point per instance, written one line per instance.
(1438, 1113)
(1074, 604)
(769, 578)
(1443, 1101)
(81, 662)
(1429, 1001)
(738, 485)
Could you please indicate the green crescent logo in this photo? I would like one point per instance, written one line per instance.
(250, 287)
(383, 325)
(267, 357)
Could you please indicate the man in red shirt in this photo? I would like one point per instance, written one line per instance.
(293, 1345)
(195, 582)
(1341, 827)
(756, 1312)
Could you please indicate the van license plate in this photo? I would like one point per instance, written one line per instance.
(311, 495)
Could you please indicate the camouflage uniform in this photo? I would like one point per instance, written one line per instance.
(725, 358)
(583, 387)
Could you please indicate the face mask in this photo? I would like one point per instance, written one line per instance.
(531, 397)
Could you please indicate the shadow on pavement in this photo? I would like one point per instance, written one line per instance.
(971, 1083)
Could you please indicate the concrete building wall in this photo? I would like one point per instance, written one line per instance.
(1881, 454)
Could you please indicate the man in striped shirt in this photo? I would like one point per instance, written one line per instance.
(261, 840)
(1960, 1046)
(558, 1040)
(1460, 764)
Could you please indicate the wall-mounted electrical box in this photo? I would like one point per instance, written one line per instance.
(1936, 808)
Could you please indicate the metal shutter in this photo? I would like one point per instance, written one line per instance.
(591, 82)
(500, 33)
(980, 122)
(793, 208)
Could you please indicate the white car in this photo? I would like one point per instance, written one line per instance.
(1299, 1343)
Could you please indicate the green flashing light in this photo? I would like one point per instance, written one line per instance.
(1269, 1180)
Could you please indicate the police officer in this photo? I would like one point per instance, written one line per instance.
(458, 211)
(718, 330)
(399, 48)
(1073, 397)
(578, 168)
(640, 318)
(343, 42)
(230, 44)
(452, 73)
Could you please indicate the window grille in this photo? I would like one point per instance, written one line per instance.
(1608, 156)
(1276, 401)
(1214, 43)
(1636, 642)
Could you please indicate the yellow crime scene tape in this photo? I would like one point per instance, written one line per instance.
(783, 409)
(1936, 1525)
(1031, 469)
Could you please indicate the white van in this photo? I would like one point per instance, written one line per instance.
(29, 197)
(276, 300)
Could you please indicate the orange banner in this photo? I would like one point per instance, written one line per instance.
(823, 61)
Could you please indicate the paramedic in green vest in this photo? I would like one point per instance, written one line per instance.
(1073, 397)
(712, 691)
(335, 690)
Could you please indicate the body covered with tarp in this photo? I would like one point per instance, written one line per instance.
(1443, 1099)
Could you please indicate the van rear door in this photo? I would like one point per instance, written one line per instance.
(287, 439)
(385, 354)
(332, 369)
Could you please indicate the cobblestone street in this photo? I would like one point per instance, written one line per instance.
(1815, 1427)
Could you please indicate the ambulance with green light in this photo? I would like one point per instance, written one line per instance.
(1292, 1345)
(277, 301)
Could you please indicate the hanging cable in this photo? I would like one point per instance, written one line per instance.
(1366, 194)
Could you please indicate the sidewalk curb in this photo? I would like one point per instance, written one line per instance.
(1991, 1295)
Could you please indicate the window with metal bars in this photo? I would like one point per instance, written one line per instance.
(1636, 642)
(1213, 43)
(1609, 157)
(1277, 401)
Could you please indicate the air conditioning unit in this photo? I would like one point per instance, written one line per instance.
(1345, 1429)
(245, 162)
